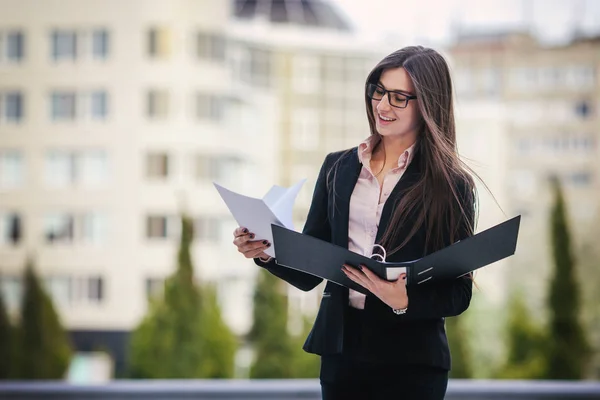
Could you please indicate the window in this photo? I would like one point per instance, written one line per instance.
(11, 169)
(12, 46)
(159, 42)
(11, 107)
(92, 168)
(14, 107)
(99, 105)
(65, 228)
(210, 46)
(63, 105)
(157, 165)
(75, 290)
(305, 129)
(100, 43)
(60, 168)
(12, 291)
(162, 226)
(59, 228)
(10, 228)
(157, 106)
(581, 178)
(581, 76)
(69, 105)
(210, 107)
(217, 167)
(64, 45)
(67, 168)
(583, 109)
(306, 73)
(260, 67)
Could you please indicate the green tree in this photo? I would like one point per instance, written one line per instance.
(569, 349)
(273, 345)
(6, 342)
(459, 346)
(183, 334)
(526, 344)
(44, 350)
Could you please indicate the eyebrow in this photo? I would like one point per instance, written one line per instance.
(405, 92)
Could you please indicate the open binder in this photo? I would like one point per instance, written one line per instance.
(324, 259)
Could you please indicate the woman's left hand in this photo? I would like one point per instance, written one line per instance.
(391, 293)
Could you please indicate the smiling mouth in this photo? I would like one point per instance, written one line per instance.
(386, 118)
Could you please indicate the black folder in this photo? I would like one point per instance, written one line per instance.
(323, 259)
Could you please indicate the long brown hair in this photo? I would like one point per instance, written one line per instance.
(443, 198)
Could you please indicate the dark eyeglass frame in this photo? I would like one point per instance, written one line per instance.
(371, 90)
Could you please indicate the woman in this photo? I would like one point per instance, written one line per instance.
(403, 188)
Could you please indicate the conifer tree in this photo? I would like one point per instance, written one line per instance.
(44, 350)
(183, 335)
(569, 349)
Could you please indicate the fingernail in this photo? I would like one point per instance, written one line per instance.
(252, 236)
(245, 230)
(268, 244)
(264, 242)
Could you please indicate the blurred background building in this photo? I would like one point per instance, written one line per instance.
(544, 123)
(117, 116)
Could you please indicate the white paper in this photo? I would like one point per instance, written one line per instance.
(276, 207)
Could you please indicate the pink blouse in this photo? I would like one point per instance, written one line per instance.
(366, 205)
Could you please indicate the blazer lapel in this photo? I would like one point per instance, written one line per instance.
(345, 180)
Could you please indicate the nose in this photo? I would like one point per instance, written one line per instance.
(384, 104)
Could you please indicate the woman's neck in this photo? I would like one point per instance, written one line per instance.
(393, 147)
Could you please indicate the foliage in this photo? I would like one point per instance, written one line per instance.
(44, 351)
(568, 350)
(183, 334)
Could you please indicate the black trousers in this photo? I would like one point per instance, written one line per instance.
(344, 378)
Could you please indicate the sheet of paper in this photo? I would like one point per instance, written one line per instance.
(276, 207)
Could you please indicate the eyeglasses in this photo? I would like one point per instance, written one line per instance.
(396, 99)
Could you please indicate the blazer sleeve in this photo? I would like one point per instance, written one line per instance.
(452, 297)
(317, 225)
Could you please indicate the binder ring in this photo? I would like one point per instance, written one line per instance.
(382, 257)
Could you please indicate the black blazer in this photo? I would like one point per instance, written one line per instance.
(417, 337)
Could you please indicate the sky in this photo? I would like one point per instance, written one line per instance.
(431, 20)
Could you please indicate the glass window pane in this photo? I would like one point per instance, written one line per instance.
(93, 228)
(100, 44)
(11, 169)
(94, 168)
(14, 106)
(10, 228)
(60, 168)
(14, 46)
(63, 105)
(99, 105)
(64, 45)
(59, 228)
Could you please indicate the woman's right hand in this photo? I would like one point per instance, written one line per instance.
(248, 247)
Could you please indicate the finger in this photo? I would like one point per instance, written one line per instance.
(371, 276)
(256, 253)
(240, 231)
(354, 278)
(356, 275)
(254, 245)
(240, 240)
